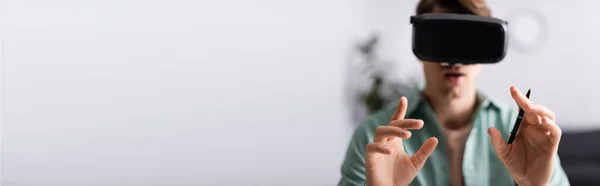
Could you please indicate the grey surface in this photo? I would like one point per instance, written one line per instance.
(580, 156)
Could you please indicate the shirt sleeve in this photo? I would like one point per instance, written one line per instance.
(353, 166)
(559, 177)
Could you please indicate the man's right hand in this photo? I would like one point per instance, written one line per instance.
(387, 164)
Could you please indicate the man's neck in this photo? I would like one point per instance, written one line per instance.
(453, 112)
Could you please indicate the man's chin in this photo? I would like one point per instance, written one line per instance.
(455, 91)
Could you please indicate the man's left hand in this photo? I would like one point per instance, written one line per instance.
(530, 158)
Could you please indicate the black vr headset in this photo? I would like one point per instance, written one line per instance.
(459, 38)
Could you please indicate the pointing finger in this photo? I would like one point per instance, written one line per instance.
(540, 111)
(424, 152)
(554, 131)
(408, 123)
(382, 133)
(401, 109)
(380, 148)
(498, 143)
(521, 100)
(533, 118)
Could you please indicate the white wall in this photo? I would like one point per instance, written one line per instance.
(174, 92)
(220, 92)
(562, 74)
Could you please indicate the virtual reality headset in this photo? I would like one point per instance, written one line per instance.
(458, 38)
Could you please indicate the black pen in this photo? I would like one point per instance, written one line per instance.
(513, 134)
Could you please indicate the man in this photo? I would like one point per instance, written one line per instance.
(456, 134)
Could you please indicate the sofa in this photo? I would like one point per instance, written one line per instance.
(579, 152)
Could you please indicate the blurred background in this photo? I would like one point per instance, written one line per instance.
(263, 92)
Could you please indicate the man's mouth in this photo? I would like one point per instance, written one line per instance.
(453, 76)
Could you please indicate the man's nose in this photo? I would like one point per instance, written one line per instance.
(452, 64)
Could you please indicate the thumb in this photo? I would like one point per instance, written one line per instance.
(420, 157)
(498, 142)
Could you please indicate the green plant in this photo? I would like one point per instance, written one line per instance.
(383, 89)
